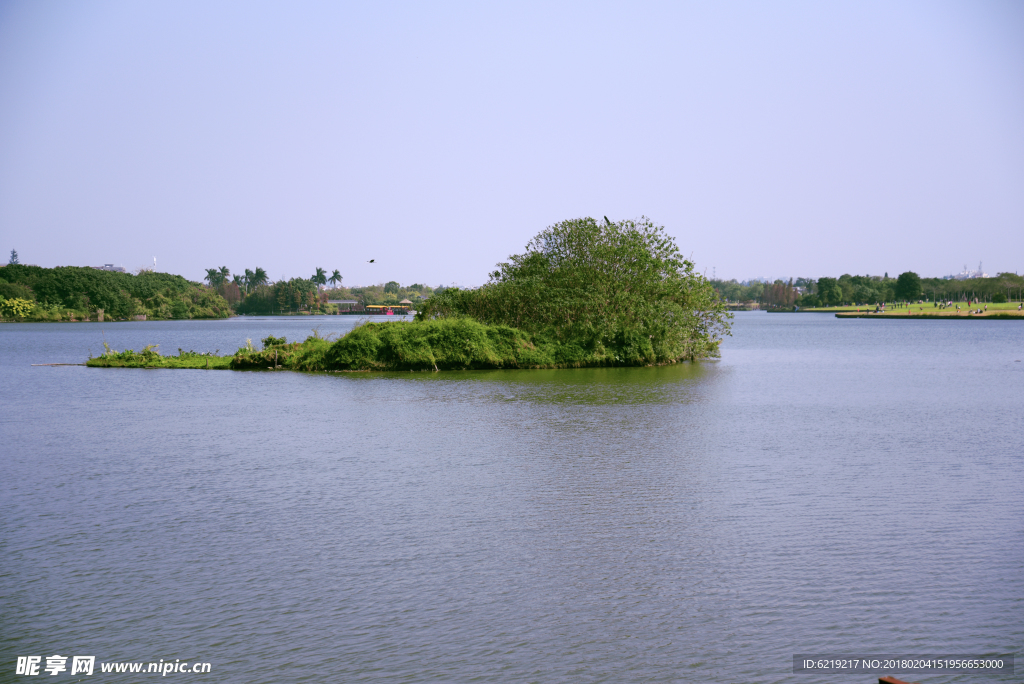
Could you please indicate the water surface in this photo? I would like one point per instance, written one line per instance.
(827, 486)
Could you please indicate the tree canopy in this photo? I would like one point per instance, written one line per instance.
(623, 287)
(83, 289)
(908, 286)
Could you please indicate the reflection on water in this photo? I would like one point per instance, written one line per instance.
(582, 386)
(827, 486)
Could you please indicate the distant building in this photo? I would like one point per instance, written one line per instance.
(968, 275)
(348, 304)
(110, 267)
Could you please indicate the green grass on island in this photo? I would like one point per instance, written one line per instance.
(150, 357)
(446, 344)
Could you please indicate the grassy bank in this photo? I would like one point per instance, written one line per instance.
(444, 344)
(998, 311)
(941, 316)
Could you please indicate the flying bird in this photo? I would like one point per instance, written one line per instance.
(371, 261)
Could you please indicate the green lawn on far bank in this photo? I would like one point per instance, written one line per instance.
(927, 309)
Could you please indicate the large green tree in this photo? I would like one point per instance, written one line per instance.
(623, 287)
(829, 291)
(908, 286)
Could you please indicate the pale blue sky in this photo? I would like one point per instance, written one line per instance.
(771, 138)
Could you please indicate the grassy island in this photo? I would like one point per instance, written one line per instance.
(151, 358)
(451, 344)
(583, 294)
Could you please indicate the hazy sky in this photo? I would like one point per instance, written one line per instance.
(770, 138)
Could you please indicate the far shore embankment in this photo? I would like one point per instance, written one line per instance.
(992, 311)
(991, 316)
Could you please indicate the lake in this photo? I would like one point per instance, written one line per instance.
(828, 486)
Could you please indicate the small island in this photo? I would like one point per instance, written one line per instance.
(583, 294)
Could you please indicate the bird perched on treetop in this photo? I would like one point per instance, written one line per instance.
(607, 221)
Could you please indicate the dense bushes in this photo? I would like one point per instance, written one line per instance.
(618, 291)
(440, 344)
(16, 307)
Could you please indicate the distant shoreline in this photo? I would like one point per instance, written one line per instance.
(936, 317)
(997, 312)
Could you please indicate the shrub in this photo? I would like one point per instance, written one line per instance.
(449, 344)
(616, 289)
(16, 307)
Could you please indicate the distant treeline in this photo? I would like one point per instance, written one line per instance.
(252, 293)
(850, 289)
(77, 292)
(33, 293)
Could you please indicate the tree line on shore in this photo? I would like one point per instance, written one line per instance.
(870, 290)
(251, 292)
(79, 293)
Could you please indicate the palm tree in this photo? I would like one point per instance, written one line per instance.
(211, 276)
(224, 274)
(335, 278)
(249, 275)
(319, 278)
(259, 277)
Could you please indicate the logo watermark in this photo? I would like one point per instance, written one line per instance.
(86, 665)
(899, 664)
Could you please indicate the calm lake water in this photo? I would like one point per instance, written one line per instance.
(828, 486)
